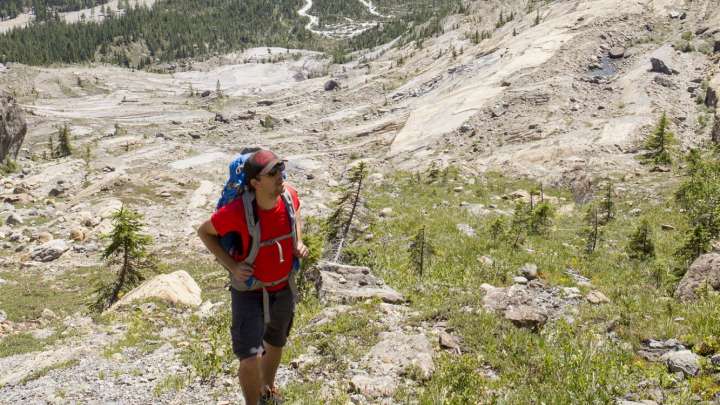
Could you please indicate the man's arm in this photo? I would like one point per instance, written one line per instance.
(209, 236)
(300, 250)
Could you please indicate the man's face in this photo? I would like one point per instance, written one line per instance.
(271, 183)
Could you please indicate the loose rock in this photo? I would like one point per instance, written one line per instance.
(176, 288)
(14, 219)
(659, 66)
(684, 360)
(704, 271)
(49, 251)
(596, 297)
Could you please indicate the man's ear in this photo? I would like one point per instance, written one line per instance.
(254, 182)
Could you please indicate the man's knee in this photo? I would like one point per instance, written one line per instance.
(249, 363)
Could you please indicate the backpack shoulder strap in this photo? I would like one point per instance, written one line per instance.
(290, 209)
(253, 226)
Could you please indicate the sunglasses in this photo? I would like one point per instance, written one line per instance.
(278, 168)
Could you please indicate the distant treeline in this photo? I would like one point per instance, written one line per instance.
(177, 29)
(44, 9)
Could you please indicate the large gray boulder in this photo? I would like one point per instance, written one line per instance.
(12, 127)
(178, 288)
(342, 283)
(49, 251)
(684, 360)
(705, 271)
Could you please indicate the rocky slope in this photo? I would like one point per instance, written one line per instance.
(563, 95)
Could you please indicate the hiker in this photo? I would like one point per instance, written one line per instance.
(262, 313)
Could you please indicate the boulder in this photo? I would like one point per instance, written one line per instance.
(711, 98)
(12, 127)
(716, 47)
(714, 360)
(526, 316)
(654, 350)
(616, 52)
(49, 251)
(342, 283)
(448, 341)
(77, 235)
(529, 271)
(397, 351)
(331, 85)
(704, 271)
(44, 237)
(374, 387)
(14, 219)
(205, 93)
(520, 280)
(175, 288)
(658, 66)
(596, 297)
(684, 361)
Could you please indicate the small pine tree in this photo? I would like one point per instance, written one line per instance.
(128, 249)
(660, 143)
(540, 218)
(218, 89)
(64, 147)
(641, 246)
(497, 229)
(420, 251)
(519, 223)
(607, 205)
(51, 147)
(592, 232)
(346, 209)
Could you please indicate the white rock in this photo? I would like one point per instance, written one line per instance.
(520, 280)
(176, 288)
(14, 219)
(596, 297)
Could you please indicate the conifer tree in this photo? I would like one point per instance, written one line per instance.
(592, 232)
(607, 205)
(346, 209)
(420, 251)
(128, 252)
(660, 143)
(641, 245)
(64, 148)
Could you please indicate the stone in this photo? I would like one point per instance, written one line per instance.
(56, 191)
(342, 283)
(711, 98)
(664, 81)
(658, 66)
(14, 219)
(520, 280)
(714, 360)
(684, 361)
(596, 297)
(175, 288)
(486, 260)
(448, 341)
(374, 387)
(704, 271)
(653, 350)
(77, 235)
(331, 85)
(616, 52)
(526, 316)
(466, 229)
(386, 212)
(48, 314)
(397, 351)
(667, 227)
(529, 271)
(44, 237)
(205, 93)
(49, 251)
(3, 316)
(265, 103)
(458, 189)
(12, 127)
(716, 46)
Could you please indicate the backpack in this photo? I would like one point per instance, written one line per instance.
(236, 187)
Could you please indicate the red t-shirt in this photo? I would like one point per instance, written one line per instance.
(273, 223)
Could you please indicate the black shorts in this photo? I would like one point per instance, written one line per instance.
(248, 328)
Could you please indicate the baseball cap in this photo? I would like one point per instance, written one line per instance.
(261, 162)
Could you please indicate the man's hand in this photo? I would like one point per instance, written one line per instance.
(300, 250)
(241, 272)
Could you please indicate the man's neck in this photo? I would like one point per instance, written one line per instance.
(266, 201)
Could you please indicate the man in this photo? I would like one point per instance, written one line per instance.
(257, 338)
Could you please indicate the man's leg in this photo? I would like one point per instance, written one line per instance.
(269, 363)
(250, 379)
